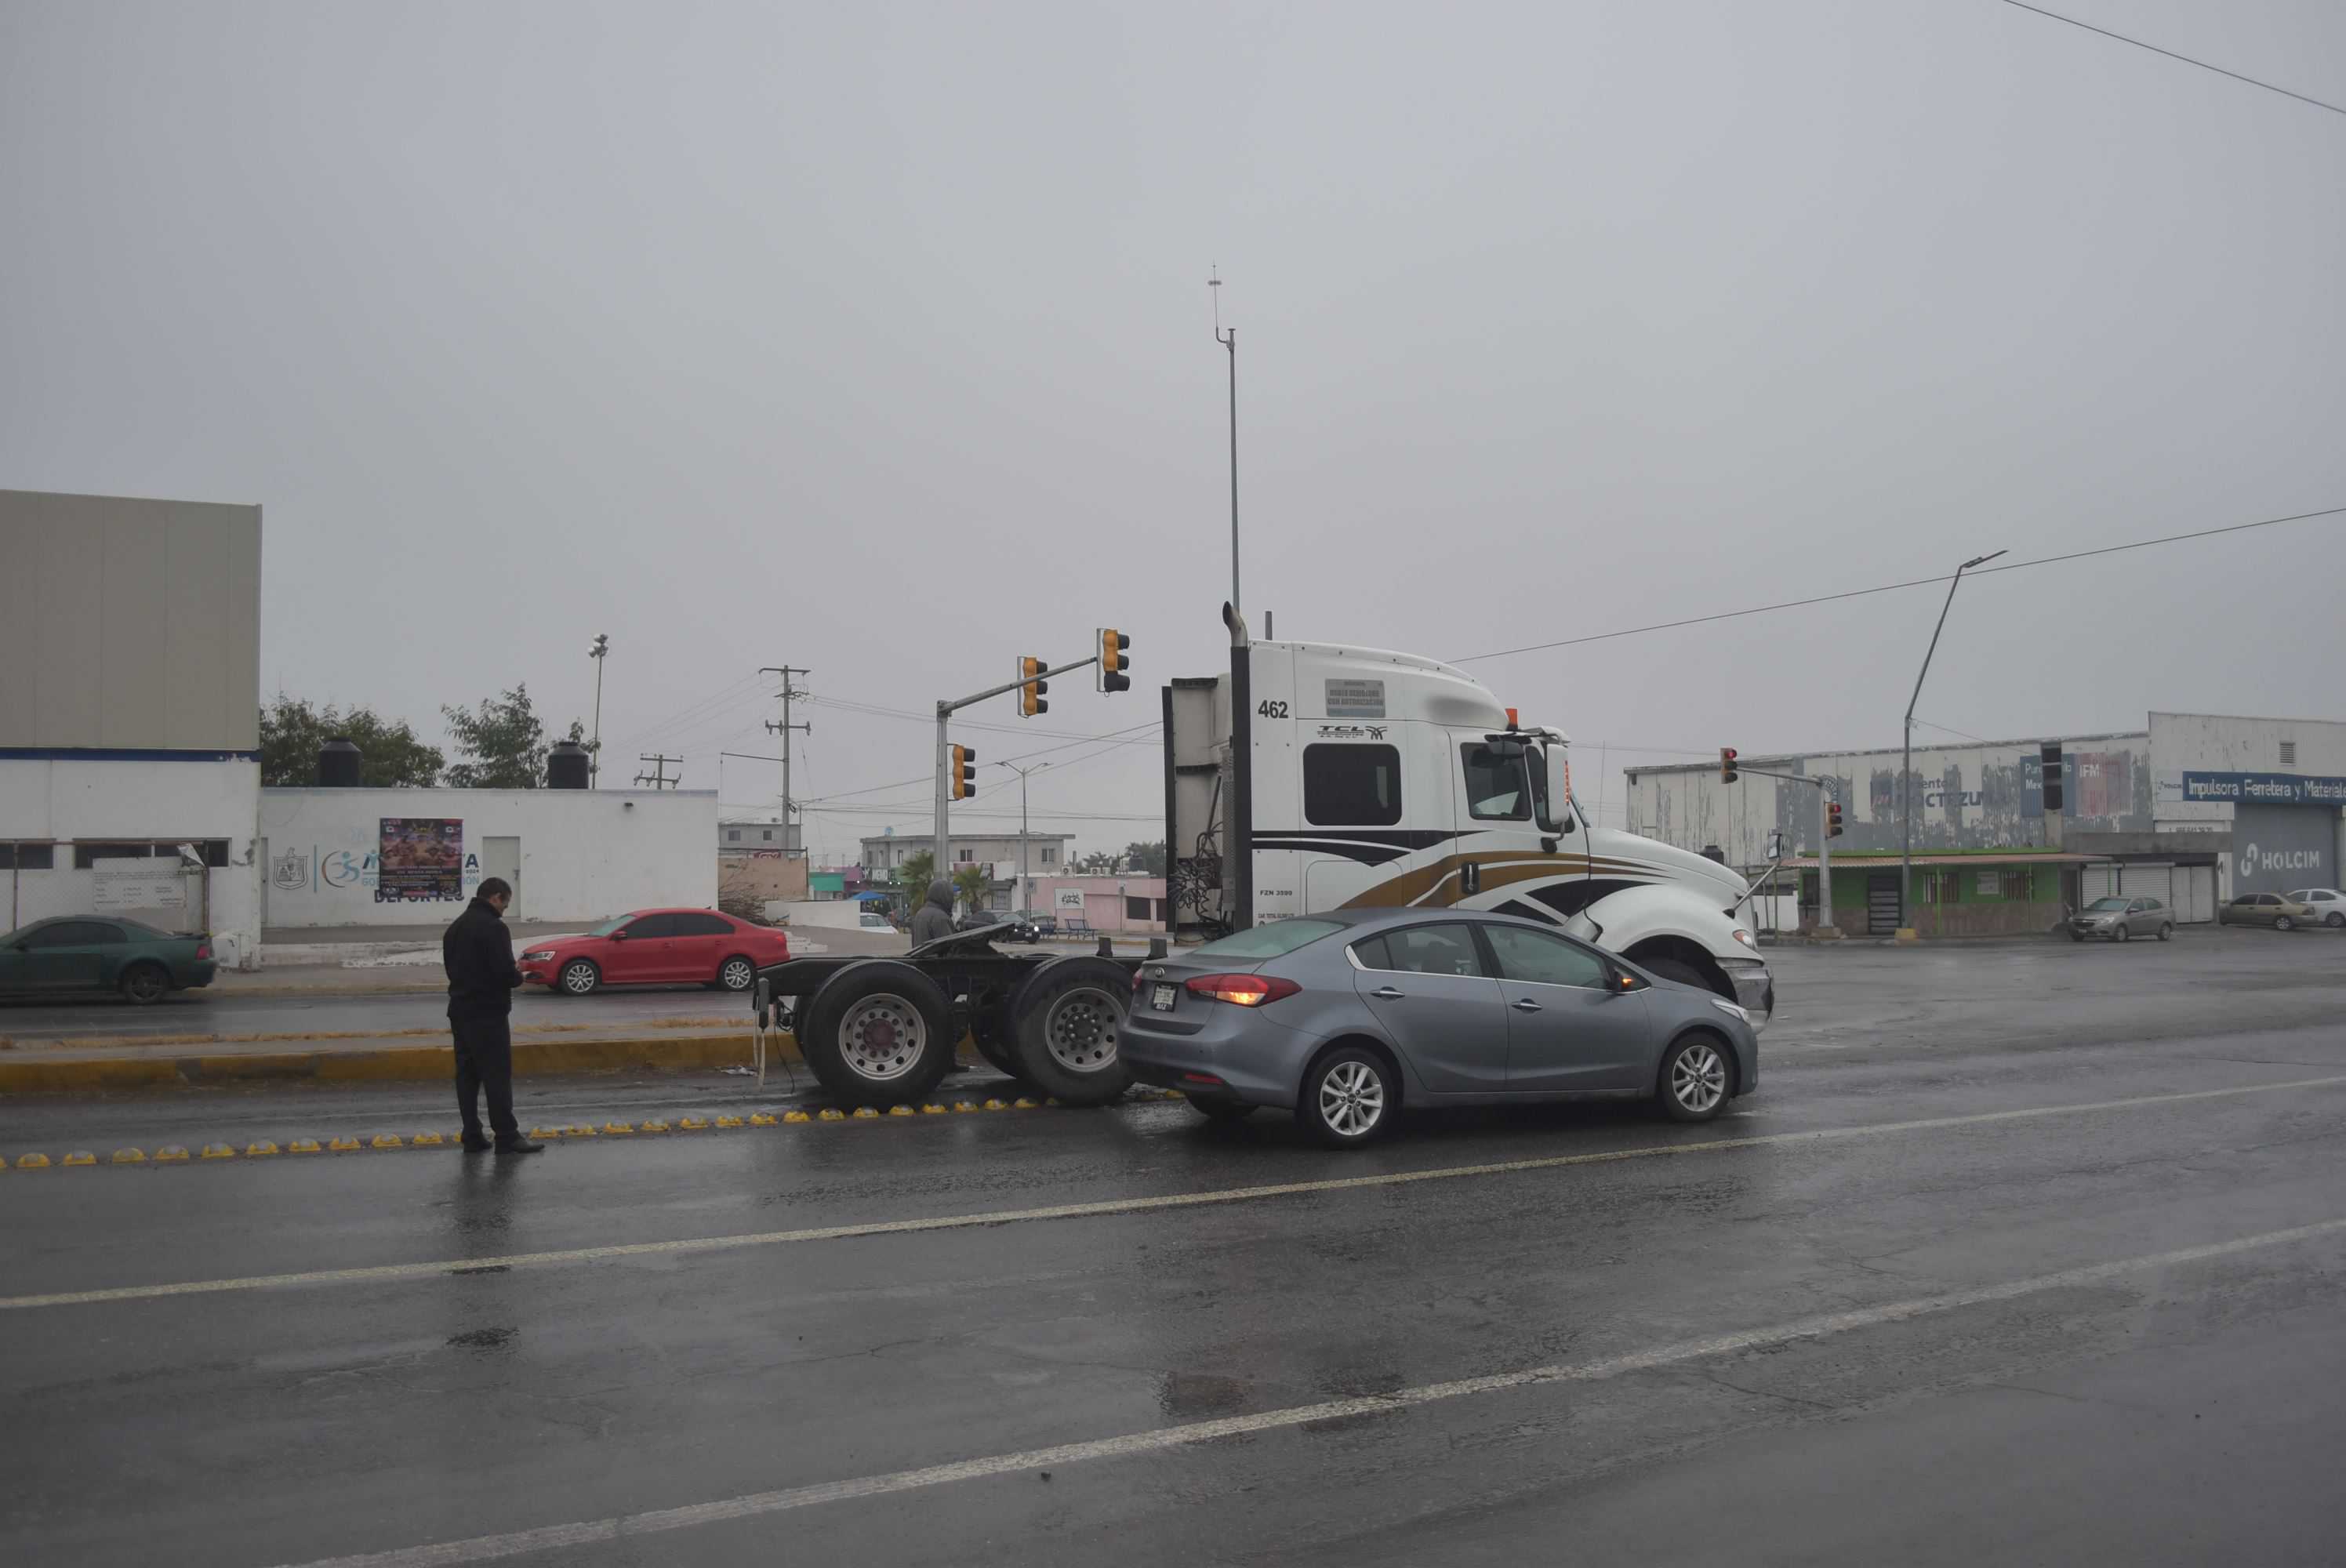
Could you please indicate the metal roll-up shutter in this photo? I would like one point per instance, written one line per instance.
(2138, 881)
(2099, 881)
(2195, 893)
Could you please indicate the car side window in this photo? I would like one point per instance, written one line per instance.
(73, 934)
(1370, 954)
(700, 925)
(1536, 958)
(655, 925)
(1434, 950)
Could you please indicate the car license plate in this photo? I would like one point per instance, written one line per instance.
(1163, 1000)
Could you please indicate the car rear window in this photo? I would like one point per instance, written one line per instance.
(1271, 941)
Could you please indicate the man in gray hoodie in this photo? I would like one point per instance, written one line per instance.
(933, 919)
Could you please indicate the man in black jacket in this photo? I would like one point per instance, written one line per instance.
(481, 976)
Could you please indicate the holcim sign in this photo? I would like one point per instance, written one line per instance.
(2276, 849)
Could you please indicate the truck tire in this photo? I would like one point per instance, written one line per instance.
(1066, 1020)
(875, 1034)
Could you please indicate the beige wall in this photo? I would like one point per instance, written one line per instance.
(759, 877)
(129, 624)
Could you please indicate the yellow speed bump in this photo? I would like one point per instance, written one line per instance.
(259, 1148)
(427, 1140)
(901, 1111)
(543, 1134)
(964, 1106)
(1023, 1103)
(653, 1127)
(932, 1110)
(831, 1114)
(302, 1147)
(219, 1151)
(581, 1131)
(787, 1117)
(32, 1162)
(386, 1141)
(728, 1121)
(767, 1119)
(341, 1146)
(81, 1157)
(866, 1113)
(1050, 1100)
(130, 1156)
(171, 1155)
(998, 1104)
(690, 1124)
(618, 1127)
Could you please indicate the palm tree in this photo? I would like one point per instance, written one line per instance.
(971, 883)
(912, 880)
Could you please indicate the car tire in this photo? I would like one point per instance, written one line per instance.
(2075, 935)
(875, 1034)
(145, 984)
(1697, 1079)
(1224, 1111)
(2283, 923)
(579, 977)
(2167, 933)
(1349, 1098)
(2122, 932)
(738, 973)
(2333, 920)
(1064, 1023)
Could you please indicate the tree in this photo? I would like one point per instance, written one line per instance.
(1098, 863)
(913, 877)
(389, 756)
(502, 742)
(971, 883)
(1146, 860)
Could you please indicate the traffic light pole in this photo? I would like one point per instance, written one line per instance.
(945, 711)
(1824, 839)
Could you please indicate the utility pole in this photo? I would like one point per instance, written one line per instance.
(658, 779)
(1229, 340)
(1906, 753)
(596, 650)
(1022, 773)
(785, 728)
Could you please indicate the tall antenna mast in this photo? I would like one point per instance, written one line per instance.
(1229, 339)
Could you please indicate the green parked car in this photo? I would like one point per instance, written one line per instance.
(90, 952)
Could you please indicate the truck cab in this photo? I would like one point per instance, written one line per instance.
(1321, 776)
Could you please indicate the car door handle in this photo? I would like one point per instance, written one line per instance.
(1386, 994)
(1527, 1006)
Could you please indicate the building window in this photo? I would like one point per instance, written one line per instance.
(2289, 753)
(965, 857)
(28, 857)
(1352, 786)
(214, 853)
(1135, 909)
(1160, 911)
(732, 835)
(1050, 854)
(1990, 885)
(767, 834)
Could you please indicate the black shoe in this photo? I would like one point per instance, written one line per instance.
(477, 1146)
(519, 1146)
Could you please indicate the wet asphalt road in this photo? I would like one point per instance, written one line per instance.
(2018, 1255)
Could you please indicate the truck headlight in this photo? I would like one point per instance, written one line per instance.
(1746, 939)
(1730, 1010)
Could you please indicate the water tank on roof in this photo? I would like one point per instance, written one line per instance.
(339, 764)
(566, 766)
(1713, 852)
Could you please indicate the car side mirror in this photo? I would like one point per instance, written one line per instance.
(620, 935)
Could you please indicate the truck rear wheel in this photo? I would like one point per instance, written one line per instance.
(1065, 1021)
(875, 1034)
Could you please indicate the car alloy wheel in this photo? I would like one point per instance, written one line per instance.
(738, 974)
(881, 1036)
(1698, 1079)
(2166, 932)
(2333, 919)
(2282, 922)
(579, 978)
(146, 983)
(1351, 1099)
(2122, 932)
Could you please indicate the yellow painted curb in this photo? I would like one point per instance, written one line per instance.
(219, 1151)
(130, 1156)
(81, 1157)
(258, 1148)
(544, 1135)
(32, 1162)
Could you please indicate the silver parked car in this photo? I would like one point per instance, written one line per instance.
(2119, 919)
(1346, 1017)
(2328, 904)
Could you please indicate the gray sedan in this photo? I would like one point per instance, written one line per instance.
(2117, 919)
(1346, 1017)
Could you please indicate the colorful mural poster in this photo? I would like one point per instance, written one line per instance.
(421, 859)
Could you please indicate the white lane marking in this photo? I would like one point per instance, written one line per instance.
(484, 1548)
(1112, 1206)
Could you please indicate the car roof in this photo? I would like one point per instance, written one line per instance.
(1383, 919)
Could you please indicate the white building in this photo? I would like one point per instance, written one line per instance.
(131, 713)
(414, 857)
(1044, 855)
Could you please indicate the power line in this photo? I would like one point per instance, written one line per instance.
(2137, 42)
(1894, 587)
(1015, 757)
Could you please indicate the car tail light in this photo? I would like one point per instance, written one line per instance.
(1246, 990)
(203, 949)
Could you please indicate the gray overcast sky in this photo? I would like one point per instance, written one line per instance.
(875, 338)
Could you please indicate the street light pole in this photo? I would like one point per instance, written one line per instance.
(1024, 895)
(1906, 753)
(1229, 340)
(596, 650)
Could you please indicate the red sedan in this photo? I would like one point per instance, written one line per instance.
(656, 947)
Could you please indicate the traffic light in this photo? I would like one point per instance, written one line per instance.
(1031, 695)
(1833, 819)
(1727, 765)
(1112, 662)
(2048, 757)
(962, 772)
